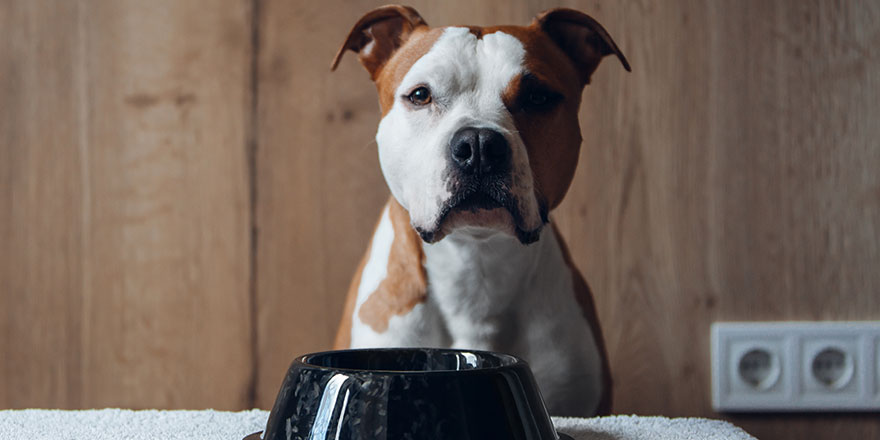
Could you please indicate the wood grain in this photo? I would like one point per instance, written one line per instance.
(125, 205)
(41, 305)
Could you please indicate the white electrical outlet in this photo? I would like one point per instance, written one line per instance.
(877, 372)
(796, 366)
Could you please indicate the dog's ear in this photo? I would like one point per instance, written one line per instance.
(378, 34)
(581, 37)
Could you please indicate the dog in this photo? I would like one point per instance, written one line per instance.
(479, 139)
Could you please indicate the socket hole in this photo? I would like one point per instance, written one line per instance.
(833, 368)
(759, 368)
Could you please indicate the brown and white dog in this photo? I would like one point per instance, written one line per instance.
(478, 141)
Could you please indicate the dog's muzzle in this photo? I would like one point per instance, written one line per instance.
(479, 179)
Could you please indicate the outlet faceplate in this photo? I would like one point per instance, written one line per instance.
(796, 366)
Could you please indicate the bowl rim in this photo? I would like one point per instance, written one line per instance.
(300, 361)
(259, 435)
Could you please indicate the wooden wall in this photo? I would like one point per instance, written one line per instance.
(185, 191)
(124, 269)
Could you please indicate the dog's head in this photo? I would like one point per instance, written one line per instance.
(479, 124)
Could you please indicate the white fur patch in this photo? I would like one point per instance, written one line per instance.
(467, 76)
(496, 294)
(376, 267)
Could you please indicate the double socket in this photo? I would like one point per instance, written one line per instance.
(795, 366)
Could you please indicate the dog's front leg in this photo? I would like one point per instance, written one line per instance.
(387, 304)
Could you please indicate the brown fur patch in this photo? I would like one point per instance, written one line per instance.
(553, 138)
(405, 284)
(418, 44)
(584, 297)
(378, 34)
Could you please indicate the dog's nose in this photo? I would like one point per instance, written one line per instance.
(480, 150)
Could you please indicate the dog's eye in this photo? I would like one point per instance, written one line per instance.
(538, 99)
(535, 96)
(420, 96)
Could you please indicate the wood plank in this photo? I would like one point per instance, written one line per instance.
(40, 297)
(126, 188)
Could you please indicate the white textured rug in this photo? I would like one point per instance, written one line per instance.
(116, 424)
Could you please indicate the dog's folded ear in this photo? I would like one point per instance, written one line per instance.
(378, 34)
(581, 37)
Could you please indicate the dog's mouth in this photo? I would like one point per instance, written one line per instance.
(476, 202)
(489, 206)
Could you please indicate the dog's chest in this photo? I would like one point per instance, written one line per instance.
(495, 293)
(476, 281)
(499, 295)
(492, 294)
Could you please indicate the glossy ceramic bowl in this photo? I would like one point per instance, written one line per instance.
(408, 394)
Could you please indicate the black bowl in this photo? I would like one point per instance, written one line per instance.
(408, 394)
